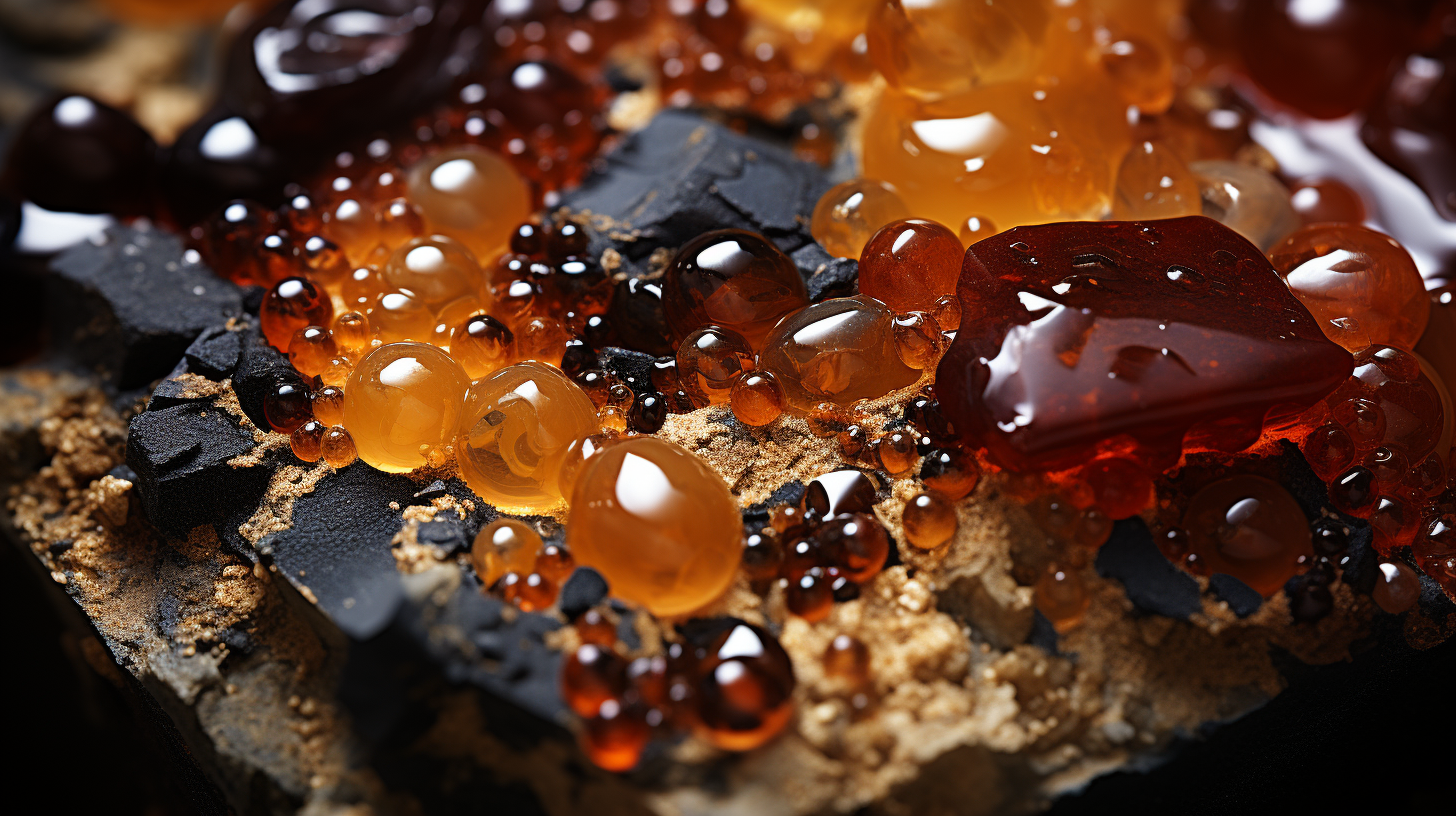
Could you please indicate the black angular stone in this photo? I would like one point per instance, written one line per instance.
(583, 589)
(434, 490)
(446, 536)
(260, 367)
(682, 176)
(215, 352)
(1242, 599)
(632, 368)
(1151, 582)
(180, 455)
(172, 392)
(826, 276)
(130, 304)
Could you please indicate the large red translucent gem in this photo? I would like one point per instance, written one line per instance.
(1137, 339)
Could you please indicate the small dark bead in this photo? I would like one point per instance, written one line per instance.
(528, 239)
(570, 238)
(802, 555)
(75, 154)
(1308, 602)
(1330, 538)
(596, 331)
(1174, 543)
(664, 375)
(843, 589)
(578, 358)
(810, 596)
(1322, 572)
(288, 405)
(762, 556)
(926, 415)
(1354, 491)
(648, 413)
(637, 316)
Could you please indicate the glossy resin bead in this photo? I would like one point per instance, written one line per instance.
(518, 423)
(838, 351)
(658, 523)
(909, 265)
(402, 402)
(851, 213)
(733, 279)
(1248, 527)
(472, 195)
(745, 687)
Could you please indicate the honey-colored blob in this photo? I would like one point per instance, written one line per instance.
(399, 221)
(436, 270)
(397, 315)
(518, 424)
(359, 287)
(338, 448)
(1152, 182)
(917, 340)
(307, 440)
(975, 228)
(1247, 200)
(1062, 597)
(851, 213)
(528, 593)
(947, 313)
(896, 452)
(757, 399)
(591, 676)
(328, 405)
(337, 371)
(1141, 72)
(452, 315)
(505, 545)
(472, 195)
(542, 339)
(939, 48)
(838, 351)
(481, 345)
(352, 333)
(613, 419)
(555, 563)
(909, 265)
(953, 473)
(1325, 200)
(929, 520)
(578, 453)
(311, 349)
(1360, 285)
(402, 401)
(293, 304)
(837, 21)
(734, 279)
(1248, 527)
(711, 361)
(1397, 587)
(744, 696)
(657, 523)
(354, 226)
(615, 738)
(848, 658)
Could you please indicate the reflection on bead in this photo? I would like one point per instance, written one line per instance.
(850, 213)
(929, 521)
(338, 448)
(307, 441)
(711, 360)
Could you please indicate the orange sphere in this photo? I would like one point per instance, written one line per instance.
(1248, 527)
(505, 545)
(472, 195)
(908, 265)
(733, 279)
(658, 523)
(436, 270)
(851, 213)
(402, 402)
(837, 351)
(1360, 285)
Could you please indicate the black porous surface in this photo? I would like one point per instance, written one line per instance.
(1151, 582)
(583, 589)
(634, 368)
(180, 455)
(682, 176)
(172, 392)
(1242, 599)
(214, 354)
(826, 275)
(445, 536)
(129, 305)
(260, 367)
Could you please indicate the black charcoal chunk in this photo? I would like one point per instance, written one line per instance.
(1151, 582)
(172, 391)
(338, 546)
(1043, 633)
(183, 479)
(260, 368)
(1242, 599)
(130, 304)
(445, 536)
(826, 276)
(682, 176)
(584, 589)
(214, 354)
(123, 472)
(633, 368)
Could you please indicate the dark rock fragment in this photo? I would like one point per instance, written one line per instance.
(584, 589)
(826, 276)
(215, 352)
(633, 368)
(1242, 599)
(260, 368)
(445, 536)
(183, 479)
(1151, 582)
(172, 391)
(1043, 633)
(130, 304)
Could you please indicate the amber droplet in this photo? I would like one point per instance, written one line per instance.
(287, 405)
(336, 371)
(852, 441)
(1329, 450)
(338, 448)
(929, 520)
(953, 473)
(505, 545)
(917, 340)
(292, 305)
(328, 405)
(352, 333)
(311, 349)
(850, 213)
(529, 593)
(1397, 587)
(402, 401)
(471, 195)
(711, 360)
(648, 414)
(857, 543)
(1061, 596)
(1360, 285)
(762, 555)
(896, 452)
(947, 313)
(910, 264)
(615, 737)
(1396, 520)
(590, 676)
(595, 628)
(435, 269)
(555, 563)
(1152, 182)
(756, 398)
(307, 441)
(745, 694)
(733, 279)
(809, 596)
(1321, 201)
(836, 351)
(481, 345)
(1248, 527)
(658, 523)
(515, 431)
(848, 658)
(399, 221)
(1141, 72)
(975, 228)
(578, 453)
